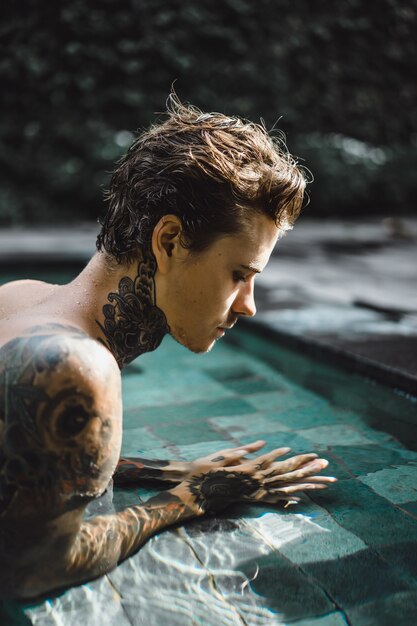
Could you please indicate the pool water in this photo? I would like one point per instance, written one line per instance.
(346, 555)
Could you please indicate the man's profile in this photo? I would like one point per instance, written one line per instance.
(195, 209)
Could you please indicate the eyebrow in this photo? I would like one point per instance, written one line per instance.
(251, 268)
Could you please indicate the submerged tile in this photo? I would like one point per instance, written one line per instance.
(397, 484)
(333, 619)
(335, 434)
(322, 539)
(193, 410)
(286, 589)
(240, 425)
(369, 458)
(402, 555)
(204, 448)
(96, 603)
(184, 433)
(410, 507)
(166, 584)
(357, 578)
(160, 388)
(137, 440)
(390, 608)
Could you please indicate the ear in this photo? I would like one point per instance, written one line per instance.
(166, 242)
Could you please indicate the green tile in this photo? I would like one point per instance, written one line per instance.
(183, 433)
(335, 435)
(390, 609)
(410, 507)
(333, 619)
(365, 459)
(252, 385)
(197, 450)
(286, 439)
(356, 578)
(397, 484)
(192, 410)
(157, 389)
(401, 555)
(310, 415)
(322, 539)
(270, 400)
(136, 441)
(286, 589)
(239, 426)
(360, 510)
(167, 451)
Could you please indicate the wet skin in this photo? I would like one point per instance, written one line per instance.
(61, 409)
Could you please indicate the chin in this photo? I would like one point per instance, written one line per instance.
(199, 349)
(196, 347)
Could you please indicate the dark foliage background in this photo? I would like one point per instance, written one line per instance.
(79, 77)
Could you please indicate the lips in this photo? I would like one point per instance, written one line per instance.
(228, 326)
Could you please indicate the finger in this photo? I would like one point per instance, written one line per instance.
(254, 446)
(298, 487)
(322, 479)
(234, 453)
(279, 482)
(295, 462)
(265, 460)
(274, 474)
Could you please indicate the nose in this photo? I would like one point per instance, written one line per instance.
(244, 303)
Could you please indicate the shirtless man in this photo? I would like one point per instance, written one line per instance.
(195, 210)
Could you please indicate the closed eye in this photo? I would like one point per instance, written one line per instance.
(238, 277)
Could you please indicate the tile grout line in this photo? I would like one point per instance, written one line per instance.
(308, 576)
(181, 532)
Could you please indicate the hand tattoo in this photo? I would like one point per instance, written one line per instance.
(215, 490)
(133, 324)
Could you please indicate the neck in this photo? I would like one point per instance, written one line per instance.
(126, 317)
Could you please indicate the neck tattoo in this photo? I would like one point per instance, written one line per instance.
(133, 324)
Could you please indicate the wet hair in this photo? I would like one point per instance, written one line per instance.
(211, 170)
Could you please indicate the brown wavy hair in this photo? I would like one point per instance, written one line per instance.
(211, 170)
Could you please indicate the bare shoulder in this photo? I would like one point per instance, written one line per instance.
(60, 420)
(18, 295)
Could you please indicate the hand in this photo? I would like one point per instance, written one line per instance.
(224, 458)
(131, 470)
(263, 479)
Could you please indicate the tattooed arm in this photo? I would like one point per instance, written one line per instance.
(92, 548)
(60, 433)
(131, 470)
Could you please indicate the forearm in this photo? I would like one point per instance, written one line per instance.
(100, 543)
(133, 469)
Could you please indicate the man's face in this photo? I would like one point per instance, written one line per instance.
(206, 292)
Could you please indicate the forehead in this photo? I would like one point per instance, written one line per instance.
(250, 246)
